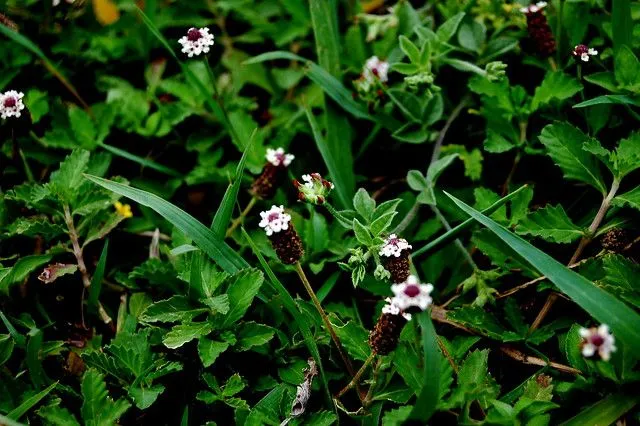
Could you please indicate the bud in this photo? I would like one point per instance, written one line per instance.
(495, 70)
(315, 189)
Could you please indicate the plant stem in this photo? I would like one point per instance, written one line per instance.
(86, 279)
(216, 94)
(357, 376)
(584, 241)
(457, 241)
(523, 139)
(411, 214)
(335, 213)
(531, 360)
(325, 319)
(237, 221)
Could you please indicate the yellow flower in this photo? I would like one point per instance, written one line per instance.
(123, 210)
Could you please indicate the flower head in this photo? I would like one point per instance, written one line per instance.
(393, 246)
(57, 2)
(374, 69)
(534, 8)
(11, 104)
(274, 220)
(583, 52)
(196, 41)
(598, 340)
(123, 210)
(278, 157)
(391, 308)
(315, 189)
(412, 293)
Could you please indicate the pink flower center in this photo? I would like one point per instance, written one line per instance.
(280, 158)
(393, 242)
(597, 340)
(412, 290)
(10, 102)
(273, 216)
(194, 35)
(580, 50)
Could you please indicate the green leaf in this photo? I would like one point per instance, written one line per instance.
(223, 215)
(174, 309)
(609, 99)
(21, 270)
(184, 333)
(364, 204)
(98, 276)
(622, 24)
(55, 415)
(472, 36)
(550, 223)
(627, 67)
(341, 176)
(362, 233)
(82, 127)
(29, 403)
(243, 287)
(144, 397)
(410, 49)
(496, 143)
(605, 411)
(98, 409)
(429, 396)
(209, 350)
(474, 381)
(6, 347)
(564, 145)
(630, 199)
(252, 334)
(68, 177)
(449, 27)
(217, 249)
(605, 308)
(556, 85)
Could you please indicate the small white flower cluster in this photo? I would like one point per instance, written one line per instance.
(598, 340)
(584, 52)
(196, 41)
(409, 294)
(274, 220)
(11, 104)
(393, 246)
(374, 68)
(278, 157)
(315, 188)
(57, 2)
(533, 8)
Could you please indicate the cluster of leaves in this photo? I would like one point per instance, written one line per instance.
(160, 319)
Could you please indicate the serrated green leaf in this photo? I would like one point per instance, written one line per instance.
(252, 334)
(68, 177)
(564, 145)
(243, 287)
(98, 409)
(551, 224)
(174, 309)
(184, 333)
(555, 86)
(630, 199)
(55, 415)
(209, 350)
(364, 204)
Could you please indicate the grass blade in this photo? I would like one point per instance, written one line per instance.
(290, 304)
(622, 24)
(29, 403)
(605, 411)
(451, 235)
(604, 307)
(429, 396)
(224, 213)
(98, 276)
(335, 171)
(142, 161)
(204, 238)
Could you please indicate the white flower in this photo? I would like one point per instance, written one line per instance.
(315, 188)
(196, 41)
(375, 68)
(278, 157)
(583, 52)
(412, 293)
(392, 309)
(597, 340)
(533, 8)
(274, 220)
(393, 246)
(57, 2)
(11, 104)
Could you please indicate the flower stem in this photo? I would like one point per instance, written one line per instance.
(216, 94)
(336, 214)
(584, 241)
(237, 221)
(357, 376)
(325, 318)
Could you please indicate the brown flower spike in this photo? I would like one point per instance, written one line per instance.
(384, 337)
(283, 236)
(395, 254)
(273, 173)
(539, 29)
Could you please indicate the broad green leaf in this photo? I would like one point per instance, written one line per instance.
(429, 396)
(605, 411)
(144, 396)
(556, 85)
(627, 68)
(354, 339)
(56, 415)
(474, 381)
(68, 177)
(410, 49)
(174, 309)
(209, 350)
(564, 145)
(252, 334)
(605, 308)
(184, 333)
(497, 143)
(364, 204)
(217, 249)
(550, 223)
(472, 35)
(630, 199)
(30, 402)
(98, 409)
(243, 287)
(82, 127)
(449, 27)
(362, 233)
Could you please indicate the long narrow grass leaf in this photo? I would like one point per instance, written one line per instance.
(605, 411)
(98, 276)
(429, 396)
(204, 238)
(30, 402)
(603, 306)
(142, 161)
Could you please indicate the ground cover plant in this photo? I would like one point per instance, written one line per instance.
(319, 212)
